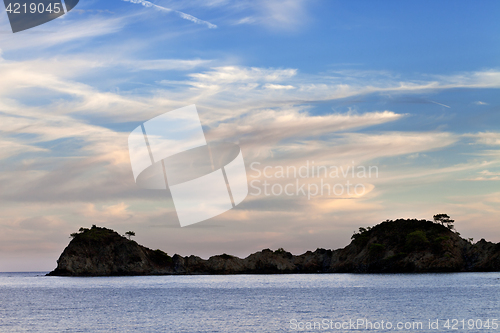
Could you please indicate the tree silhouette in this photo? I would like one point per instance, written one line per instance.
(130, 234)
(444, 219)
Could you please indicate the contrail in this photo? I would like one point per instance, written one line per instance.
(446, 106)
(168, 10)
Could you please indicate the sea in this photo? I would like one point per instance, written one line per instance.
(458, 302)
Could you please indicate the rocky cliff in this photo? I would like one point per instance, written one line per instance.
(390, 247)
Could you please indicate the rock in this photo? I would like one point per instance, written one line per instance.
(400, 246)
(103, 252)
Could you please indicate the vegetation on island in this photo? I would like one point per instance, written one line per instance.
(94, 233)
(418, 234)
(393, 246)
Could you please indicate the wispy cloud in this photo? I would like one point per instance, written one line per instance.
(486, 138)
(9, 148)
(446, 106)
(278, 86)
(178, 13)
(485, 175)
(74, 31)
(161, 64)
(276, 14)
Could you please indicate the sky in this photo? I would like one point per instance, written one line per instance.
(410, 89)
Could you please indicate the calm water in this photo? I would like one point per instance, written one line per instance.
(30, 302)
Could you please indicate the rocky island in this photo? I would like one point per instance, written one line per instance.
(401, 246)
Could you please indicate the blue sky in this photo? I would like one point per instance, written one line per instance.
(412, 88)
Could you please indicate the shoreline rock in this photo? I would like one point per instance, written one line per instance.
(401, 246)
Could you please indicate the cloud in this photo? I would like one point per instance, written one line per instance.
(234, 74)
(70, 31)
(489, 173)
(432, 173)
(486, 138)
(480, 103)
(284, 133)
(371, 146)
(162, 64)
(107, 212)
(278, 86)
(446, 106)
(247, 20)
(244, 80)
(267, 128)
(284, 13)
(178, 13)
(478, 179)
(30, 233)
(274, 14)
(480, 211)
(9, 148)
(485, 175)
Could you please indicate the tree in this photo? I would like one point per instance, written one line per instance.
(416, 240)
(130, 234)
(444, 219)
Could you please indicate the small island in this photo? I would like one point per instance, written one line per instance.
(400, 246)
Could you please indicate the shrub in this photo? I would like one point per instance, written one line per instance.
(441, 239)
(416, 240)
(376, 248)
